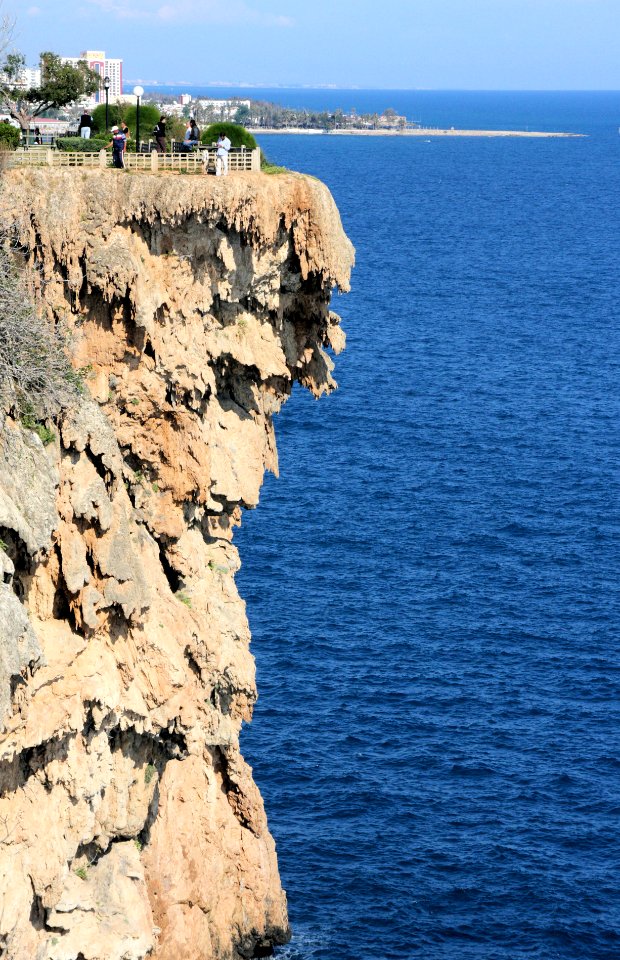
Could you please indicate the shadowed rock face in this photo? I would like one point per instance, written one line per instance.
(130, 825)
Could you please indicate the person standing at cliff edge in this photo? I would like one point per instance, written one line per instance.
(86, 123)
(117, 143)
(221, 159)
(159, 132)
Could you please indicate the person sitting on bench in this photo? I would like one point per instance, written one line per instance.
(192, 136)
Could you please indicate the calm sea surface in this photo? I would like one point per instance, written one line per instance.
(433, 584)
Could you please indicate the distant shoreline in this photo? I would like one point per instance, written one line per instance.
(418, 132)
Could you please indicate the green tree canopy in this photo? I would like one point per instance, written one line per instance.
(9, 137)
(242, 114)
(149, 115)
(61, 84)
(114, 116)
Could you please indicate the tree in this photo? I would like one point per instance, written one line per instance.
(114, 116)
(9, 136)
(149, 115)
(61, 84)
(242, 114)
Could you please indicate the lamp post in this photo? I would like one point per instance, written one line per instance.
(138, 91)
(106, 87)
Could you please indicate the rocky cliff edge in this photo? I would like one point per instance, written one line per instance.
(130, 826)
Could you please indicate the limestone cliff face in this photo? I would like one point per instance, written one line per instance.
(130, 825)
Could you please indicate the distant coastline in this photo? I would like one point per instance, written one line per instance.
(417, 132)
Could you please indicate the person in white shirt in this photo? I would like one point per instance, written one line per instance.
(221, 158)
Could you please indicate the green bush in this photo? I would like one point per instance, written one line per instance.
(175, 128)
(238, 136)
(149, 116)
(98, 115)
(9, 137)
(80, 145)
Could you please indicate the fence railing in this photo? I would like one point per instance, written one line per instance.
(239, 159)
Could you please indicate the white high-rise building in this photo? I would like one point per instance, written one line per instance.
(105, 67)
(29, 77)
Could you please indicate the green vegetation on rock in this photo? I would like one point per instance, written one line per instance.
(268, 167)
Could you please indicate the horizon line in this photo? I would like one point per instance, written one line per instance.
(215, 85)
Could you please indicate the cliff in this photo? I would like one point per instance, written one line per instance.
(130, 825)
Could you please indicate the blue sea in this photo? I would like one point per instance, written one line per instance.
(433, 584)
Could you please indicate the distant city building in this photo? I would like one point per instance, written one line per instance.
(29, 77)
(391, 120)
(225, 109)
(105, 67)
(185, 98)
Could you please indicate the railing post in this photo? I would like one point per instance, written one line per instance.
(255, 165)
(49, 159)
(102, 158)
(154, 161)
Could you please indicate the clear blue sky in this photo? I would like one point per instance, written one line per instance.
(434, 44)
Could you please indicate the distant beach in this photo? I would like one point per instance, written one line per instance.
(417, 132)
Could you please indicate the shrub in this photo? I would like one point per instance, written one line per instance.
(149, 115)
(36, 378)
(9, 137)
(114, 117)
(79, 145)
(127, 113)
(175, 128)
(44, 433)
(238, 136)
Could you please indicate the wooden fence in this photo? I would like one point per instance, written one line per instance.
(194, 162)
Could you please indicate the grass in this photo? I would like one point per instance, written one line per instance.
(149, 773)
(82, 873)
(44, 434)
(272, 168)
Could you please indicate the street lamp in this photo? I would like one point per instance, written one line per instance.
(106, 87)
(138, 91)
